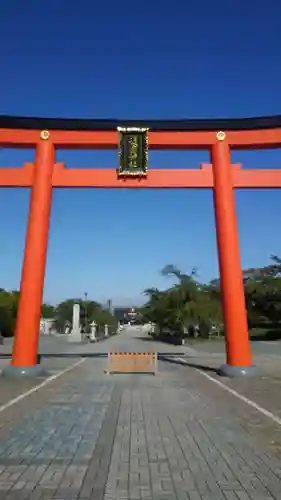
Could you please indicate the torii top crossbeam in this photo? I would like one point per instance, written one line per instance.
(68, 133)
(183, 125)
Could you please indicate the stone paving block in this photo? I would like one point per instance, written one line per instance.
(175, 436)
(43, 454)
(200, 463)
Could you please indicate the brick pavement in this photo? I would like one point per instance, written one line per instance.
(173, 436)
(263, 390)
(178, 436)
(11, 388)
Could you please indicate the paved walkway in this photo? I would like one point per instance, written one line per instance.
(87, 435)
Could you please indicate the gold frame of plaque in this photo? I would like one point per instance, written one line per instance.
(132, 152)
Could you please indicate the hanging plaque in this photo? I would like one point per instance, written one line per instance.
(133, 152)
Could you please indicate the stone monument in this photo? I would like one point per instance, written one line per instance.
(75, 334)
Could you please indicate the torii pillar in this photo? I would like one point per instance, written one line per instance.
(24, 358)
(237, 341)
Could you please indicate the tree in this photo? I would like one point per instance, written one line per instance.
(186, 304)
(48, 311)
(160, 309)
(89, 311)
(190, 302)
(8, 312)
(263, 292)
(103, 317)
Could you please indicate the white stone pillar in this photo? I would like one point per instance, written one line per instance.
(75, 335)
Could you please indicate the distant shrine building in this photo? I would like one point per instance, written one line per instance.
(128, 316)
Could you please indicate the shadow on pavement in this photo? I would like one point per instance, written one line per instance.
(144, 339)
(167, 340)
(204, 368)
(77, 354)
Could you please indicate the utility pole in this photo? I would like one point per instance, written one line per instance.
(86, 311)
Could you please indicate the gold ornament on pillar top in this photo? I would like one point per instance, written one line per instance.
(44, 135)
(221, 136)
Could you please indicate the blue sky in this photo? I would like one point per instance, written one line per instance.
(128, 60)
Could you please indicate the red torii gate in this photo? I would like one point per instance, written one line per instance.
(218, 136)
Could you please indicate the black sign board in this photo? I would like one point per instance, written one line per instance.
(133, 152)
